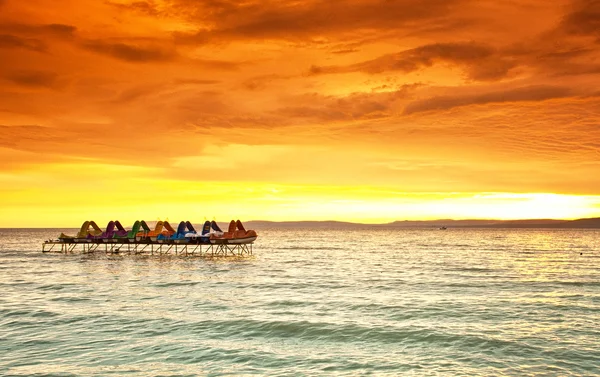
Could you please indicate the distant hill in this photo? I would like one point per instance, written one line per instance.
(260, 224)
(579, 223)
(593, 223)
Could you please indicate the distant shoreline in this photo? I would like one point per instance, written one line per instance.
(585, 223)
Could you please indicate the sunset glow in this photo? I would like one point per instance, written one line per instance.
(364, 110)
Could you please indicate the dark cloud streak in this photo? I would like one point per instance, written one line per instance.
(39, 30)
(481, 61)
(33, 79)
(351, 107)
(529, 93)
(12, 41)
(130, 52)
(584, 19)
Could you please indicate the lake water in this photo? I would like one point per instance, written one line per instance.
(421, 302)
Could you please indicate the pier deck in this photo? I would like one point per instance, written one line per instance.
(149, 248)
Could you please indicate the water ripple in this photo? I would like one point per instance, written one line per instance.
(341, 303)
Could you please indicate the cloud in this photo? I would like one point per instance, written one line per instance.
(144, 7)
(12, 41)
(584, 19)
(33, 79)
(352, 107)
(262, 82)
(59, 29)
(529, 93)
(130, 52)
(414, 59)
(231, 20)
(345, 51)
(158, 91)
(481, 61)
(136, 93)
(222, 65)
(150, 50)
(84, 145)
(39, 30)
(12, 136)
(196, 81)
(32, 37)
(167, 78)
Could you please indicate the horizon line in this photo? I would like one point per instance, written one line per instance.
(361, 223)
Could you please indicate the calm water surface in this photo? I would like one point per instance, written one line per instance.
(420, 302)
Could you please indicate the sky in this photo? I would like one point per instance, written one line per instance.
(359, 110)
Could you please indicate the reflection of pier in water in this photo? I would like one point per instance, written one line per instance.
(150, 248)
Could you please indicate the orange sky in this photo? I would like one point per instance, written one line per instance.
(361, 110)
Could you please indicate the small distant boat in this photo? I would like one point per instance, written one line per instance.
(443, 228)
